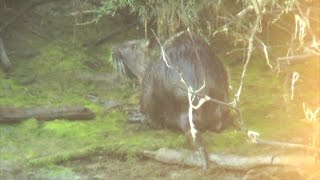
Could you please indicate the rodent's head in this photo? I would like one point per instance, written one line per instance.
(131, 58)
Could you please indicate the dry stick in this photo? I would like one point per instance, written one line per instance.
(191, 96)
(263, 47)
(245, 11)
(292, 58)
(239, 16)
(250, 44)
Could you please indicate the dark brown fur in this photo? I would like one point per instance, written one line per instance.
(164, 98)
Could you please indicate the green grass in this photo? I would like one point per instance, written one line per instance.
(50, 79)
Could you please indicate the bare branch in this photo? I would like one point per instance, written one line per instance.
(301, 57)
(250, 45)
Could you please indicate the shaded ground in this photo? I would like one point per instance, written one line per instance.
(52, 68)
(102, 167)
(111, 167)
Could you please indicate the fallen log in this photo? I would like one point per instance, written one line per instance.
(13, 115)
(232, 162)
(285, 145)
(254, 138)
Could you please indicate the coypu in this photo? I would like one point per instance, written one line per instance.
(132, 58)
(164, 99)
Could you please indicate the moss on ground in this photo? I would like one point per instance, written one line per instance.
(51, 79)
(43, 143)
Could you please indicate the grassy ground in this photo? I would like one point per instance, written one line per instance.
(58, 73)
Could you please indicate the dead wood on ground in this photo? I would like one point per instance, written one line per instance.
(232, 162)
(285, 145)
(13, 115)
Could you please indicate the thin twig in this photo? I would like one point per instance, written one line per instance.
(250, 44)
